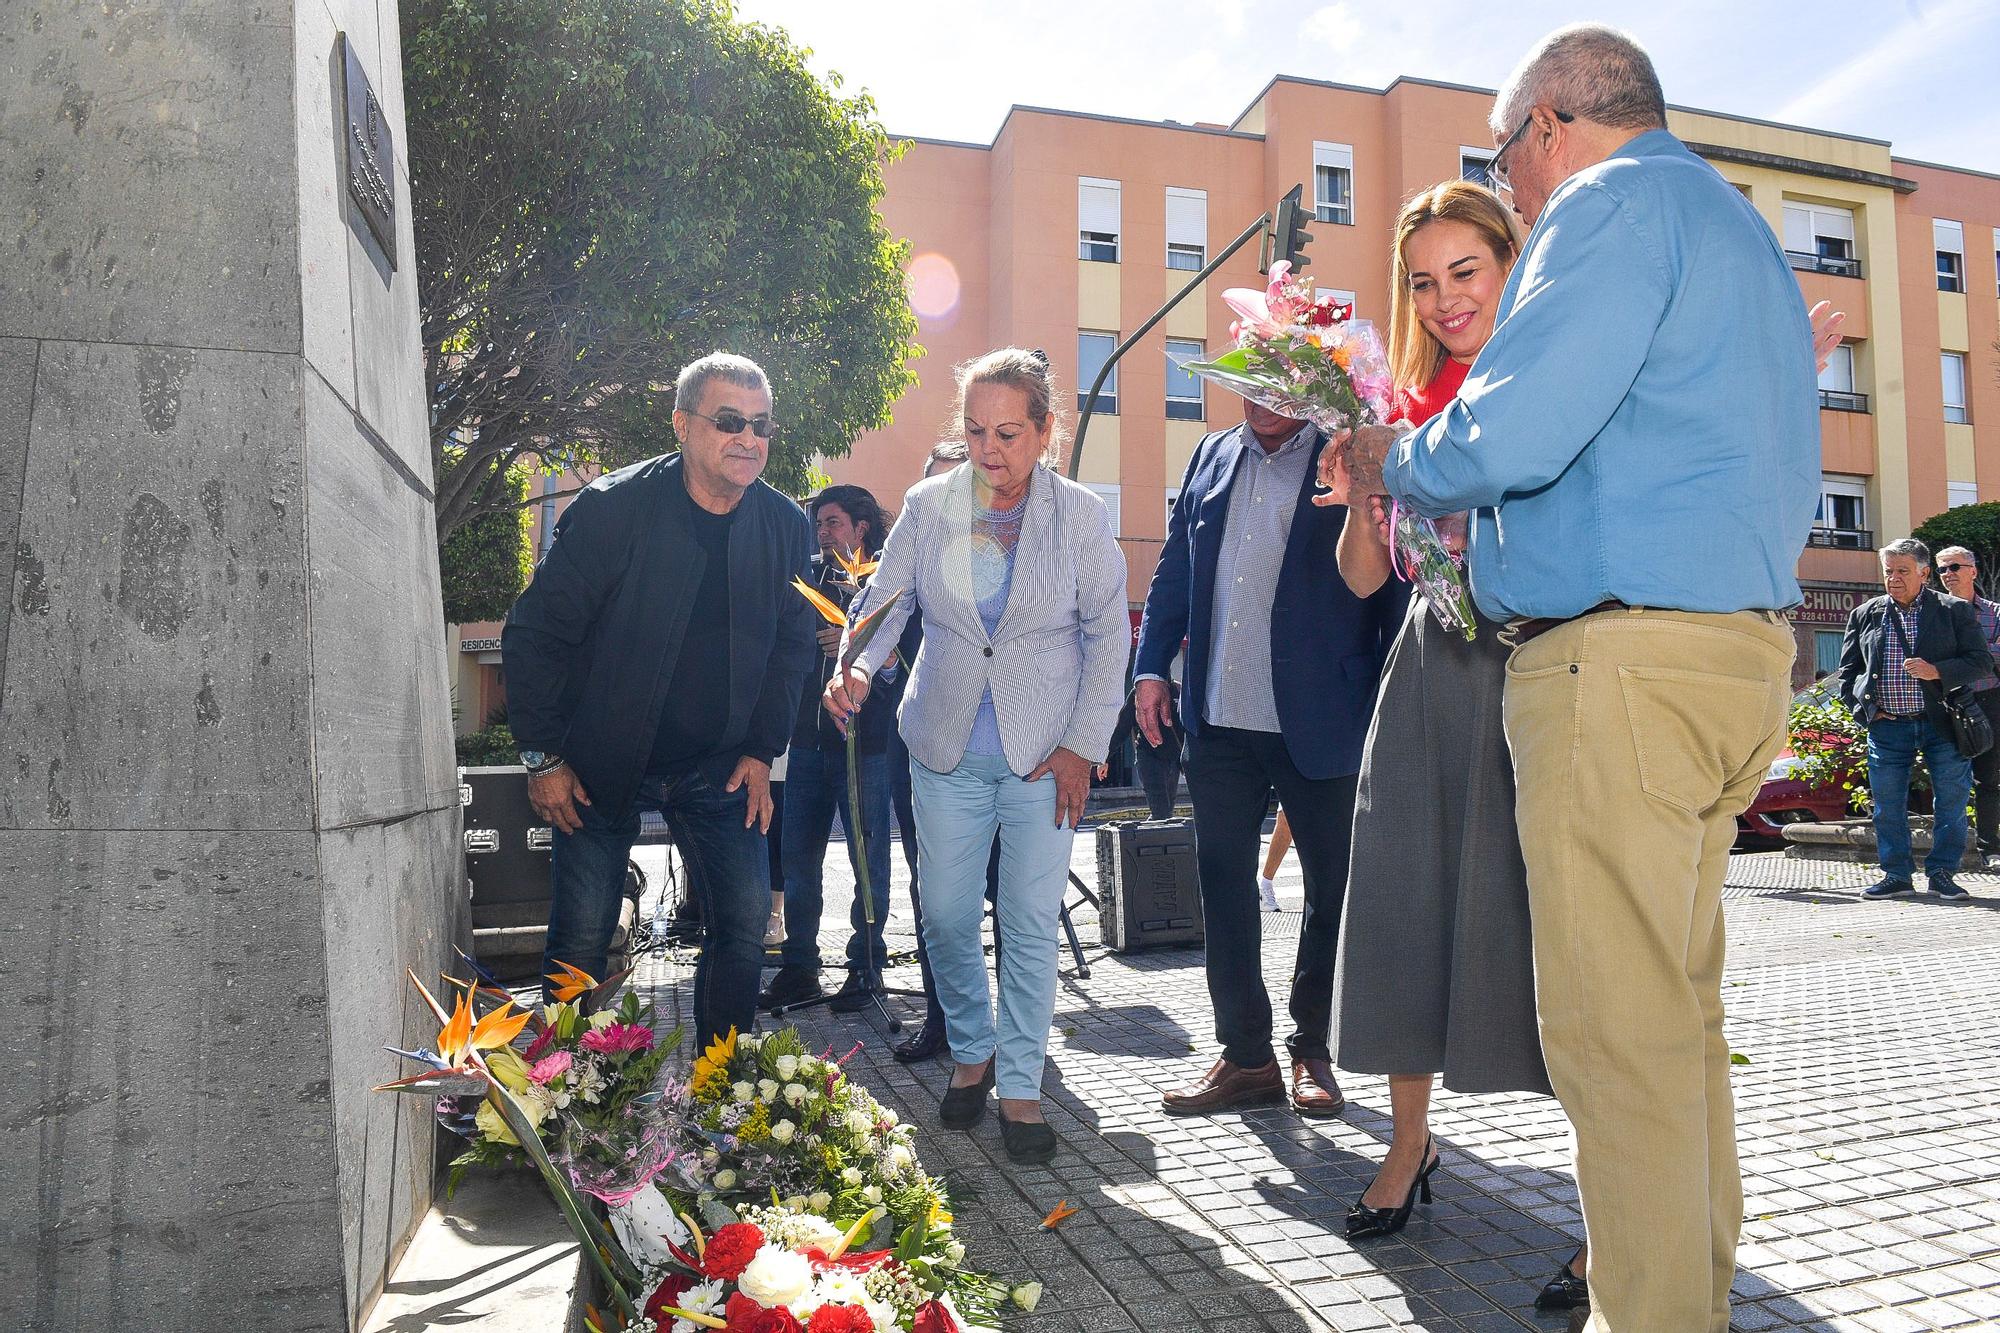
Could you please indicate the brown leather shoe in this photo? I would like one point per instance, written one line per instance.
(1224, 1086)
(1314, 1091)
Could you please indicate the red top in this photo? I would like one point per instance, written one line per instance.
(1420, 405)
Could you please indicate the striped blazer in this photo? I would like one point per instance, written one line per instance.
(1056, 661)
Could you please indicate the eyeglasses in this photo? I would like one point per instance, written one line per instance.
(731, 422)
(1496, 170)
(1953, 569)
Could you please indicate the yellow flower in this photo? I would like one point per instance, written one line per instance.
(509, 1068)
(756, 1125)
(713, 1063)
(494, 1125)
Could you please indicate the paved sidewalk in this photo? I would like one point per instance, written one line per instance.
(1867, 1116)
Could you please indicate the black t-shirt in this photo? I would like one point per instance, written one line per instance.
(697, 704)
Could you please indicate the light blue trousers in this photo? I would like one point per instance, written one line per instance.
(957, 813)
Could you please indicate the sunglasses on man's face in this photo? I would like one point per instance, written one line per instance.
(1953, 569)
(731, 422)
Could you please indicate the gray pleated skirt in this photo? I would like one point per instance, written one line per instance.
(1436, 971)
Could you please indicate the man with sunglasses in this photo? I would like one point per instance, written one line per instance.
(1958, 571)
(1639, 446)
(655, 663)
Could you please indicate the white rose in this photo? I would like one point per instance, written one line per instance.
(795, 1093)
(1028, 1295)
(901, 1158)
(820, 1201)
(955, 1252)
(873, 1194)
(788, 1066)
(850, 1176)
(725, 1179)
(776, 1277)
(742, 1092)
(859, 1123)
(890, 1118)
(766, 1089)
(783, 1131)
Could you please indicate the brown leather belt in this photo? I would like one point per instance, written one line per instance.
(1523, 630)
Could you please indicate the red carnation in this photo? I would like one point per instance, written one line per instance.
(840, 1319)
(670, 1293)
(730, 1251)
(932, 1317)
(746, 1316)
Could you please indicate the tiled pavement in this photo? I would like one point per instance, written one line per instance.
(1868, 1113)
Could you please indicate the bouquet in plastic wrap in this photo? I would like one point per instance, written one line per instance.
(1303, 355)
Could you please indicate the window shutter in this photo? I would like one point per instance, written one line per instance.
(1097, 205)
(1948, 236)
(1187, 217)
(1333, 155)
(1837, 223)
(1798, 229)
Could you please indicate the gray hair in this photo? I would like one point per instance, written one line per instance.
(726, 366)
(1591, 71)
(953, 452)
(1969, 554)
(1908, 546)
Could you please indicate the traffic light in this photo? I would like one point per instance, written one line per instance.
(1289, 236)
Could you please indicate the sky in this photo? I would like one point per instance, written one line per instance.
(1919, 73)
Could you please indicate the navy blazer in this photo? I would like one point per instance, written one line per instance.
(1327, 645)
(589, 649)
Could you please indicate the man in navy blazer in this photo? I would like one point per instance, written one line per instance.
(1277, 690)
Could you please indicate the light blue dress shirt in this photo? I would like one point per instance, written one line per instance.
(1644, 423)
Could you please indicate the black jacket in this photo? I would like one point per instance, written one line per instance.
(1948, 637)
(813, 728)
(590, 647)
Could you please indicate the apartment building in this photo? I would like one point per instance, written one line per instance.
(1069, 230)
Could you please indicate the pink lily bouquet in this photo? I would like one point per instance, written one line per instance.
(1302, 354)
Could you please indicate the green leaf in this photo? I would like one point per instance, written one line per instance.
(1738, 1058)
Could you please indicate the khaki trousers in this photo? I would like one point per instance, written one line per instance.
(1638, 736)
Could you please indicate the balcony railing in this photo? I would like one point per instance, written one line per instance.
(1845, 539)
(1842, 268)
(1839, 400)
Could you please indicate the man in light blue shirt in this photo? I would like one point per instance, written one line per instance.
(1639, 445)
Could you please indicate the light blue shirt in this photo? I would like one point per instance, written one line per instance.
(992, 581)
(1644, 423)
(1263, 497)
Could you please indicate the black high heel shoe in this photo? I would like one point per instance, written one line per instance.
(1363, 1221)
(1565, 1291)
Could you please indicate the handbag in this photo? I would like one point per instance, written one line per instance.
(1971, 730)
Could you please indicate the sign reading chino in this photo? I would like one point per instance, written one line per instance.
(370, 154)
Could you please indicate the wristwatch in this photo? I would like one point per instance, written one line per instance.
(538, 763)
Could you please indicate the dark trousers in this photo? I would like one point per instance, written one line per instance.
(816, 789)
(1986, 780)
(1231, 775)
(906, 830)
(728, 869)
(1160, 775)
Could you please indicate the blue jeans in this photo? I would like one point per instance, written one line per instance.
(816, 791)
(1893, 747)
(728, 870)
(957, 814)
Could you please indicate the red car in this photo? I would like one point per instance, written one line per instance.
(1785, 799)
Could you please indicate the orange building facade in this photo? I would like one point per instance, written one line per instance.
(1069, 230)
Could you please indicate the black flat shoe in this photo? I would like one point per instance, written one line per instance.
(853, 996)
(1363, 1221)
(792, 985)
(923, 1044)
(960, 1108)
(1028, 1142)
(1566, 1291)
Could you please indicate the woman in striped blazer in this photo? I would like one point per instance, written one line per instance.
(1010, 703)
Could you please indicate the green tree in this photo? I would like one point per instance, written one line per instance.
(604, 190)
(1976, 527)
(486, 561)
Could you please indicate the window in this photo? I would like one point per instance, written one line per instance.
(1949, 238)
(1842, 519)
(1108, 494)
(1184, 397)
(1187, 228)
(1092, 351)
(1836, 382)
(1333, 182)
(1958, 493)
(1826, 652)
(1819, 238)
(1097, 219)
(1173, 498)
(1952, 366)
(1475, 165)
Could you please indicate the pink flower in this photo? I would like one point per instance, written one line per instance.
(550, 1067)
(540, 1044)
(618, 1039)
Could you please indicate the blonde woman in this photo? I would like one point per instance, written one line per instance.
(1011, 701)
